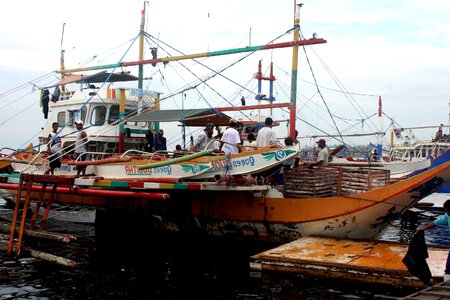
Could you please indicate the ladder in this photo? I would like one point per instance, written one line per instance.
(29, 183)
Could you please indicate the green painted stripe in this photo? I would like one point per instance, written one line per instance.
(236, 50)
(14, 175)
(119, 184)
(140, 131)
(180, 186)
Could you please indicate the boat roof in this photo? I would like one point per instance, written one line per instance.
(100, 77)
(190, 117)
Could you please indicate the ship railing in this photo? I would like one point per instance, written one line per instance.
(94, 155)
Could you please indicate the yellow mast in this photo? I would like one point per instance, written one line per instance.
(294, 70)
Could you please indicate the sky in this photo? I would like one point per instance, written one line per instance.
(399, 50)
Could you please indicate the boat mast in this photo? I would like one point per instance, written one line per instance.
(141, 51)
(380, 129)
(63, 74)
(140, 84)
(294, 69)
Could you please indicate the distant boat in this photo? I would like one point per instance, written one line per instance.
(401, 161)
(434, 201)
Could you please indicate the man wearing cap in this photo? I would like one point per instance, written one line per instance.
(81, 147)
(322, 158)
(204, 138)
(231, 139)
(266, 135)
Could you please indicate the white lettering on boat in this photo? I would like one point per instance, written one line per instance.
(248, 161)
(163, 170)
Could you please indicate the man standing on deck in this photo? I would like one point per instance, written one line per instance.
(204, 138)
(266, 135)
(438, 135)
(160, 141)
(81, 147)
(54, 148)
(231, 139)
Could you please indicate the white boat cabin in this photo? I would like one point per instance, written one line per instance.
(99, 109)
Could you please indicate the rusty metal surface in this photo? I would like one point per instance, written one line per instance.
(371, 261)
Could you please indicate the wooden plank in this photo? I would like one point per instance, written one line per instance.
(370, 261)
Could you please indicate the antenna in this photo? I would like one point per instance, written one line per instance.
(62, 54)
(62, 35)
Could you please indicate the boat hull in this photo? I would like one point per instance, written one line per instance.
(262, 213)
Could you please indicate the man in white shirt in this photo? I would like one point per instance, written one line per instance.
(266, 135)
(54, 149)
(231, 139)
(204, 138)
(80, 147)
(322, 158)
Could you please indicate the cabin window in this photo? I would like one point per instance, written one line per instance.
(424, 152)
(113, 114)
(83, 113)
(77, 115)
(61, 118)
(129, 113)
(98, 116)
(70, 122)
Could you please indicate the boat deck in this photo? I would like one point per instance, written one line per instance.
(369, 261)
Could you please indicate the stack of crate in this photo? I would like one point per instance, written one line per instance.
(303, 182)
(357, 180)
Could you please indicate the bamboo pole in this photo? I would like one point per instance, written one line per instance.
(43, 255)
(41, 234)
(51, 258)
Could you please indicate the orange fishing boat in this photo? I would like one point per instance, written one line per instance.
(323, 201)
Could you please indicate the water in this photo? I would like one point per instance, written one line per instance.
(147, 266)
